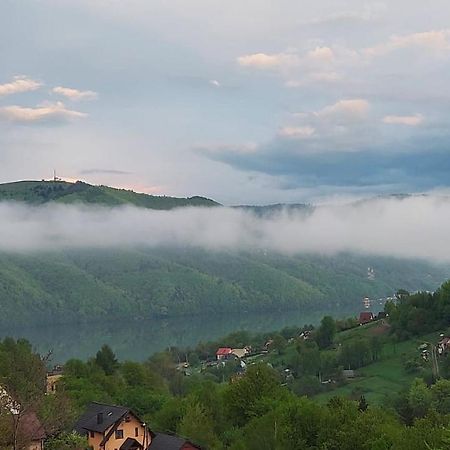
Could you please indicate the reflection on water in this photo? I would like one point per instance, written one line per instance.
(137, 340)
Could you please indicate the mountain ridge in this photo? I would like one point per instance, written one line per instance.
(40, 192)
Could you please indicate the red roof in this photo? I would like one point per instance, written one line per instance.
(223, 351)
(365, 316)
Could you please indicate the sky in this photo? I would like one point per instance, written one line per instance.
(251, 101)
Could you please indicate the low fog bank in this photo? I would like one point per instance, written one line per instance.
(412, 227)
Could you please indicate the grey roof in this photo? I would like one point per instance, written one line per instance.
(163, 441)
(88, 421)
(130, 444)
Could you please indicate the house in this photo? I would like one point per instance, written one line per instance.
(163, 441)
(110, 427)
(305, 335)
(381, 315)
(240, 352)
(53, 377)
(223, 352)
(365, 317)
(443, 345)
(31, 427)
(348, 374)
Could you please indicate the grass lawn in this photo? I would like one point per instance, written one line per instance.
(385, 378)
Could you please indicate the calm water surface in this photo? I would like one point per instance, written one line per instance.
(137, 340)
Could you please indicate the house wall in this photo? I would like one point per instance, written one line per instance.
(128, 432)
(94, 442)
(36, 445)
(51, 383)
(128, 429)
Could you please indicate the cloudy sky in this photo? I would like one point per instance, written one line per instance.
(252, 101)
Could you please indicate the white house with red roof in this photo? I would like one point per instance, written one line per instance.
(223, 352)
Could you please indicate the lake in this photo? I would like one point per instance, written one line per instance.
(137, 340)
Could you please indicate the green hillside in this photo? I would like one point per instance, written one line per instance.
(86, 285)
(38, 192)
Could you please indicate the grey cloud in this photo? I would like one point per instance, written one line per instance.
(104, 172)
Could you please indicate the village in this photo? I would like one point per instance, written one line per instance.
(296, 355)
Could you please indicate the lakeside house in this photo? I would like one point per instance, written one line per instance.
(240, 352)
(223, 352)
(365, 317)
(110, 427)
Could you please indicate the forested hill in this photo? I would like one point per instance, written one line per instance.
(38, 192)
(87, 285)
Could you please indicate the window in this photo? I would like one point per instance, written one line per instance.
(92, 434)
(119, 434)
(136, 432)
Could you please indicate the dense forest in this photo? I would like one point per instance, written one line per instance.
(261, 404)
(141, 283)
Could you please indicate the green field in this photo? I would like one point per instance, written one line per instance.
(380, 381)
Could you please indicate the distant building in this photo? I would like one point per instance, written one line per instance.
(240, 352)
(52, 379)
(223, 352)
(348, 374)
(443, 345)
(365, 317)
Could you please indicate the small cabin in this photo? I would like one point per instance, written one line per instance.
(365, 317)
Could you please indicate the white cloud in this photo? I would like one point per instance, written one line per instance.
(215, 83)
(370, 227)
(411, 121)
(297, 132)
(75, 94)
(19, 84)
(350, 109)
(315, 77)
(321, 54)
(368, 14)
(265, 61)
(42, 113)
(436, 40)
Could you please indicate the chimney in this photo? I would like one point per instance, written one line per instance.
(100, 418)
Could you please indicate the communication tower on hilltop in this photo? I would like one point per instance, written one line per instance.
(55, 178)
